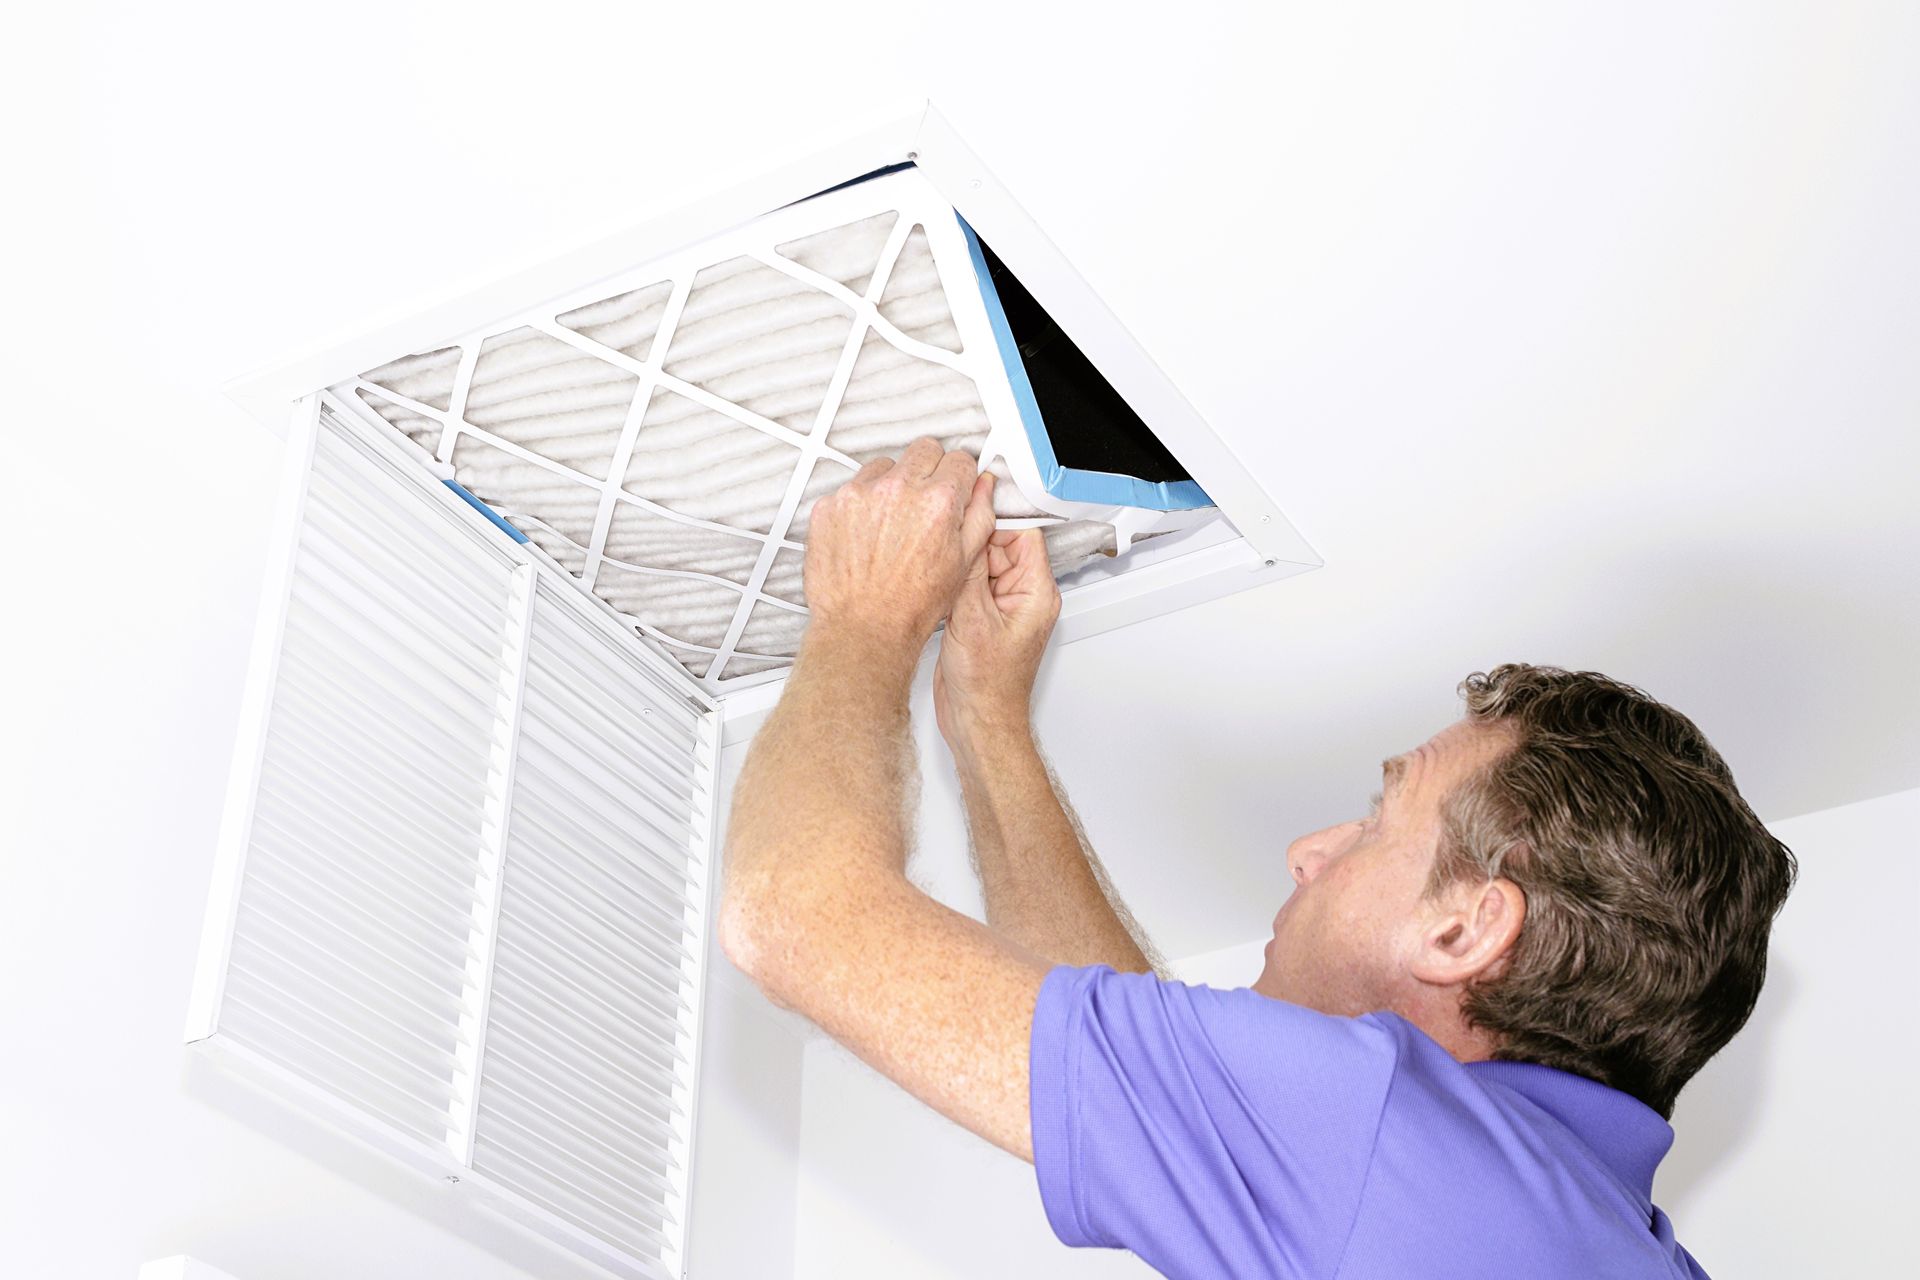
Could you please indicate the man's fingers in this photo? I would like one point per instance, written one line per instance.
(957, 469)
(921, 457)
(872, 471)
(1027, 557)
(1027, 545)
(1014, 553)
(976, 524)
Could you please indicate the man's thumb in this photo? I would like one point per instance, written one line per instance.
(976, 589)
(976, 525)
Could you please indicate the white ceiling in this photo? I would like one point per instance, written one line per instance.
(1585, 339)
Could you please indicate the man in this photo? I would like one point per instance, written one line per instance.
(1478, 1004)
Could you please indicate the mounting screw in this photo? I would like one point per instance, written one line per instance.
(1272, 563)
(912, 156)
(453, 1177)
(646, 711)
(975, 184)
(1266, 519)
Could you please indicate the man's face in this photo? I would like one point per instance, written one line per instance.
(1346, 939)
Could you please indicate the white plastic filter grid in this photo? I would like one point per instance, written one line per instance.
(665, 436)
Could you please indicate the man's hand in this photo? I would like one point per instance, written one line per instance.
(818, 909)
(1044, 886)
(890, 548)
(1001, 620)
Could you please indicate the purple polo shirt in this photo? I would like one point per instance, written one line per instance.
(1222, 1133)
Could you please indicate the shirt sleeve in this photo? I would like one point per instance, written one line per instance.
(1211, 1132)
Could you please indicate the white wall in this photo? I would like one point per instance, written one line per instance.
(746, 1165)
(1793, 1154)
(747, 1144)
(1793, 1150)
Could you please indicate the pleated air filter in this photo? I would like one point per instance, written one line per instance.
(664, 435)
(541, 555)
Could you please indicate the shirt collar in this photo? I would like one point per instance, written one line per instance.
(1629, 1136)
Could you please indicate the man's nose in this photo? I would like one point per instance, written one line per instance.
(1308, 854)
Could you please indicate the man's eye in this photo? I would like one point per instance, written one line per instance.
(1373, 809)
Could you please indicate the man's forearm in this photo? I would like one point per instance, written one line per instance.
(1044, 886)
(817, 908)
(821, 802)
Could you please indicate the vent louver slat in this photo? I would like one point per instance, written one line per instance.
(586, 1158)
(588, 942)
(585, 1170)
(324, 1066)
(581, 823)
(508, 1085)
(546, 751)
(558, 897)
(657, 1014)
(407, 1056)
(636, 884)
(578, 676)
(465, 910)
(597, 727)
(361, 769)
(321, 883)
(348, 966)
(582, 911)
(567, 1203)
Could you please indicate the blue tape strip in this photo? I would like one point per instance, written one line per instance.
(485, 510)
(1073, 484)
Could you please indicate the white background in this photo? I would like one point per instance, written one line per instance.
(1579, 334)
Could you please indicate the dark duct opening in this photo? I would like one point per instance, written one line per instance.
(1092, 428)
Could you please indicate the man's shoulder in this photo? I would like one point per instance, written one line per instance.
(1267, 1046)
(1380, 1034)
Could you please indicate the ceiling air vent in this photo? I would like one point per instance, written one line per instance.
(540, 556)
(659, 414)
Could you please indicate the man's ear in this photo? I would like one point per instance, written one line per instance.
(1471, 929)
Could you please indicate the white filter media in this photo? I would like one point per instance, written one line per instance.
(666, 444)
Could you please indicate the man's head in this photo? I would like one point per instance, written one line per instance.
(1567, 876)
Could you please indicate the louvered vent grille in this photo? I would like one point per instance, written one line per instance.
(466, 910)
